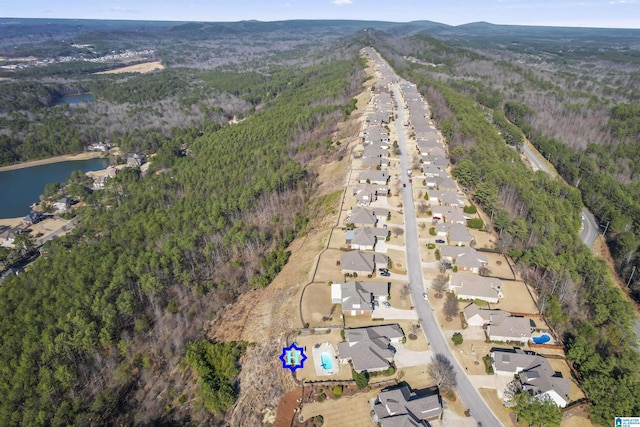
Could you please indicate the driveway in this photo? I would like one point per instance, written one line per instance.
(497, 382)
(406, 358)
(393, 314)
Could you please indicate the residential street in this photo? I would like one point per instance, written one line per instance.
(465, 389)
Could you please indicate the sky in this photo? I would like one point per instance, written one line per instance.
(585, 13)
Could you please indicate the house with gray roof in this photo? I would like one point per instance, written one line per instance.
(367, 193)
(357, 298)
(432, 170)
(437, 159)
(8, 235)
(400, 406)
(511, 329)
(477, 316)
(62, 205)
(379, 177)
(135, 159)
(448, 214)
(365, 238)
(536, 374)
(369, 349)
(362, 216)
(362, 263)
(471, 287)
(33, 218)
(458, 235)
(466, 258)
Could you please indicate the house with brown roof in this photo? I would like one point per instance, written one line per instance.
(401, 407)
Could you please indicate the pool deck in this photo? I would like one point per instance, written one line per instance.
(317, 351)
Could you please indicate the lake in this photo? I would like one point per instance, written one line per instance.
(20, 188)
(75, 99)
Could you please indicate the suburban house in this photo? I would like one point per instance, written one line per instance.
(448, 214)
(362, 216)
(511, 329)
(458, 235)
(135, 159)
(401, 407)
(435, 158)
(375, 152)
(100, 177)
(536, 374)
(446, 198)
(371, 162)
(62, 205)
(369, 349)
(367, 193)
(8, 235)
(446, 183)
(365, 238)
(471, 287)
(466, 258)
(357, 297)
(33, 218)
(362, 263)
(430, 147)
(442, 229)
(432, 170)
(380, 118)
(476, 316)
(379, 177)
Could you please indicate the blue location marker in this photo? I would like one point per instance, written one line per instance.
(292, 357)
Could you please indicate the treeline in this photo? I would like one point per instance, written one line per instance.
(538, 220)
(93, 330)
(597, 172)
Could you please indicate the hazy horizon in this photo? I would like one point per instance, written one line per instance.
(568, 13)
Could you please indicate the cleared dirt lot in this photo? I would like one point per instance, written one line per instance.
(137, 68)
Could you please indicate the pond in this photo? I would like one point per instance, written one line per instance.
(75, 99)
(19, 188)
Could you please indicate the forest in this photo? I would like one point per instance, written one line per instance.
(101, 323)
(537, 218)
(107, 326)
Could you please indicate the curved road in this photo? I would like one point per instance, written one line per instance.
(590, 229)
(465, 389)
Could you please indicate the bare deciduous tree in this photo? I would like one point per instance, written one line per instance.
(450, 308)
(397, 231)
(442, 372)
(439, 284)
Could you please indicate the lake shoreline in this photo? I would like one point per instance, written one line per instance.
(86, 155)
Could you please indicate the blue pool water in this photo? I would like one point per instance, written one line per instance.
(541, 339)
(327, 363)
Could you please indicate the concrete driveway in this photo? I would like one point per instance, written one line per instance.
(497, 382)
(406, 358)
(393, 314)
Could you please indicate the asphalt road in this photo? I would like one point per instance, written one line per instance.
(590, 228)
(465, 389)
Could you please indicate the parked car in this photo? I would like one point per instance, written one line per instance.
(385, 274)
(404, 185)
(440, 241)
(425, 296)
(386, 304)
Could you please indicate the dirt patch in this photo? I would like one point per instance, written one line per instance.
(145, 67)
(287, 408)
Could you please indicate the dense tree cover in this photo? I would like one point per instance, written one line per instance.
(536, 411)
(216, 365)
(155, 256)
(538, 220)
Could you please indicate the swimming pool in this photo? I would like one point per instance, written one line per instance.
(327, 363)
(541, 339)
